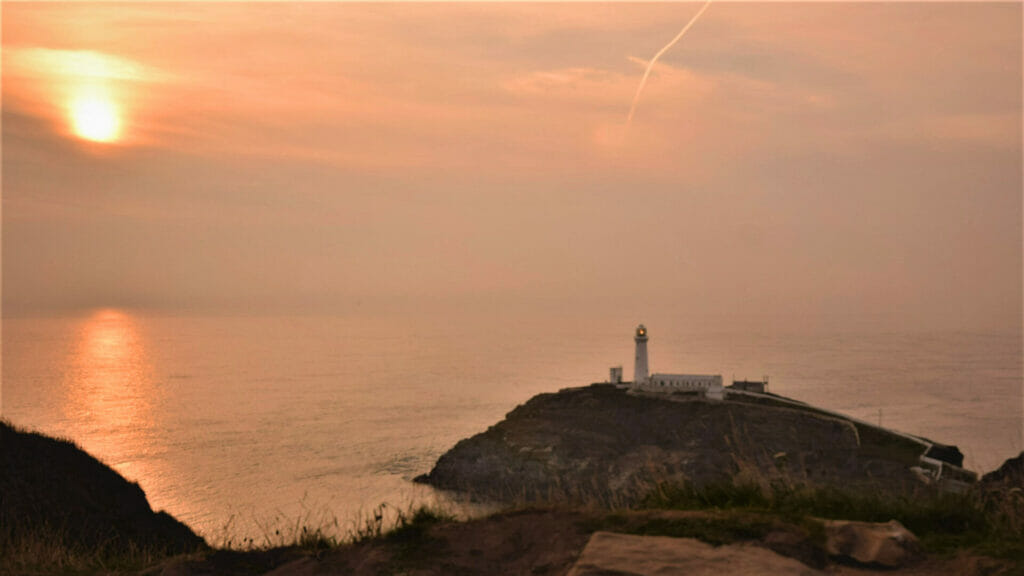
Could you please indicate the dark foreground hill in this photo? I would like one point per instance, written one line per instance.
(55, 495)
(615, 445)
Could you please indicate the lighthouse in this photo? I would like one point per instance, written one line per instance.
(708, 386)
(640, 361)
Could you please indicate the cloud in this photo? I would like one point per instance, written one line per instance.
(487, 137)
(52, 63)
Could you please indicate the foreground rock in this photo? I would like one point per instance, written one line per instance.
(627, 555)
(613, 445)
(56, 495)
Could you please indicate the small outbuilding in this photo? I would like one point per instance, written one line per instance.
(750, 385)
(615, 376)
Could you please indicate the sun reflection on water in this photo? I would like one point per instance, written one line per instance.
(111, 395)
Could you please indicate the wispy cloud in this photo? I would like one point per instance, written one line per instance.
(51, 63)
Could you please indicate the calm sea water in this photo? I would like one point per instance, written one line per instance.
(235, 424)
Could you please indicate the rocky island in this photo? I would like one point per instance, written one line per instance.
(615, 443)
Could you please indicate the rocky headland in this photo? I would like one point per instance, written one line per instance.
(615, 444)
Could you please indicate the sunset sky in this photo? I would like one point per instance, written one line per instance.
(813, 160)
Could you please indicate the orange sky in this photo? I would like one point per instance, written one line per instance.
(794, 159)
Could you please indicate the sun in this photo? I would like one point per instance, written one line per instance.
(95, 117)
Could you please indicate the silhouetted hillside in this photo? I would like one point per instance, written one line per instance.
(54, 493)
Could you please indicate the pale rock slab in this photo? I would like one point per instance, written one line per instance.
(889, 544)
(610, 554)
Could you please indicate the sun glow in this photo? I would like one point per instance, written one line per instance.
(111, 391)
(94, 116)
(92, 96)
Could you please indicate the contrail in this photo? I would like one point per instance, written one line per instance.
(650, 65)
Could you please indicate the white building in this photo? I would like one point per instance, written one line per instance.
(709, 385)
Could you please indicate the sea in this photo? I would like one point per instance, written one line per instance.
(241, 426)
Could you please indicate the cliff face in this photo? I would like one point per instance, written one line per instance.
(603, 442)
(1008, 476)
(52, 489)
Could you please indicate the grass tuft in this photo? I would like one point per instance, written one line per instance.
(44, 549)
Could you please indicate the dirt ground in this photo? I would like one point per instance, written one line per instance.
(528, 542)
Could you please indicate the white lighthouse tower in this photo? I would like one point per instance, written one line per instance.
(640, 361)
